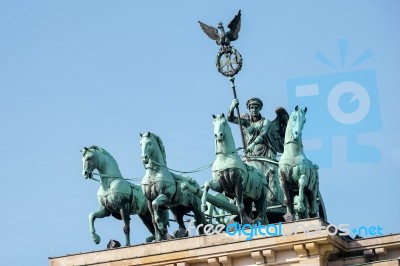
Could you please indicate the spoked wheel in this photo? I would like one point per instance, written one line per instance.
(228, 61)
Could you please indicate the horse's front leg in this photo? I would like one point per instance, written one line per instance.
(215, 186)
(303, 180)
(124, 211)
(204, 207)
(161, 200)
(284, 187)
(100, 213)
(157, 234)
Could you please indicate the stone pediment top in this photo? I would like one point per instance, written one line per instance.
(222, 249)
(212, 246)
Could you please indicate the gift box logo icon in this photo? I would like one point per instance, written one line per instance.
(340, 104)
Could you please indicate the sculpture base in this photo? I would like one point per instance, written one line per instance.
(312, 248)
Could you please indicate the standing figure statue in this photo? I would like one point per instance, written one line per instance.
(264, 140)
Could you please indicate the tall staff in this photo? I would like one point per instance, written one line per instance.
(228, 60)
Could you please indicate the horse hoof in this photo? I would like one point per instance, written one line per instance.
(150, 239)
(96, 239)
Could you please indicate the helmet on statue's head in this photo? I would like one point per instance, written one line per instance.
(254, 101)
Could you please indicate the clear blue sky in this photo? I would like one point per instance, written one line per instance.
(77, 73)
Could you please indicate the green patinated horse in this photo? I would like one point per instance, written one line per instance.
(162, 188)
(116, 196)
(297, 172)
(236, 179)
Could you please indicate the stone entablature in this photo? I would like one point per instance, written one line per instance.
(321, 248)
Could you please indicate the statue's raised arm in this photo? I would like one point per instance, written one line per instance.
(263, 138)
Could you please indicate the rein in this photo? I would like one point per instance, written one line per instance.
(202, 168)
(110, 176)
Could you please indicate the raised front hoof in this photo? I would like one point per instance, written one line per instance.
(204, 208)
(96, 238)
(181, 232)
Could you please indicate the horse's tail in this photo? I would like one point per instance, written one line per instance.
(314, 180)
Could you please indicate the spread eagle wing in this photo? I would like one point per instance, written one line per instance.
(210, 31)
(276, 132)
(234, 27)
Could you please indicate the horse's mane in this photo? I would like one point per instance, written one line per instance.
(94, 147)
(161, 145)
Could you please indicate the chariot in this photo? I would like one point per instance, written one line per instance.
(253, 188)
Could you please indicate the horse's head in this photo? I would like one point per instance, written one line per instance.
(152, 148)
(297, 120)
(89, 159)
(220, 127)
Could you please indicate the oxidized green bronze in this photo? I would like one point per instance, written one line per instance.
(297, 172)
(254, 181)
(162, 188)
(232, 176)
(116, 196)
(264, 140)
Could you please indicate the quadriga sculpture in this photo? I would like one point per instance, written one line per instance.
(162, 188)
(236, 179)
(297, 172)
(116, 196)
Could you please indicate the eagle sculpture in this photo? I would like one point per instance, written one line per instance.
(221, 37)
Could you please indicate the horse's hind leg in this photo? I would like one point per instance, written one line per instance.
(147, 221)
(261, 207)
(124, 211)
(198, 214)
(239, 203)
(100, 213)
(178, 217)
(313, 200)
